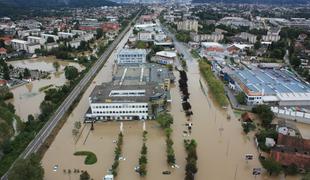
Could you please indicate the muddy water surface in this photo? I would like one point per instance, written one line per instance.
(27, 98)
(221, 144)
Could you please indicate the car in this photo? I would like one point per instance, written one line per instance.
(55, 168)
(166, 172)
(137, 168)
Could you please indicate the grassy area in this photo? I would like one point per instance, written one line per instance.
(195, 54)
(45, 87)
(216, 86)
(238, 113)
(90, 159)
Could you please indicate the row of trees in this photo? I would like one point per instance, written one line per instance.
(165, 120)
(185, 94)
(4, 70)
(191, 159)
(117, 154)
(215, 85)
(143, 159)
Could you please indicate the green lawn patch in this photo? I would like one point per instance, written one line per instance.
(195, 54)
(90, 159)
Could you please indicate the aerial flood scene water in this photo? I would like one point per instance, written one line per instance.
(159, 90)
(27, 97)
(221, 143)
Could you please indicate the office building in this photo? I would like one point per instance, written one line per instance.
(131, 56)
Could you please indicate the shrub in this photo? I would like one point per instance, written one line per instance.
(164, 120)
(265, 114)
(90, 159)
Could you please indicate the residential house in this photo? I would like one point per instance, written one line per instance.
(188, 25)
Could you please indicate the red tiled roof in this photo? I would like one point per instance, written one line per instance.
(109, 26)
(247, 116)
(3, 82)
(87, 28)
(286, 159)
(6, 39)
(2, 50)
(293, 142)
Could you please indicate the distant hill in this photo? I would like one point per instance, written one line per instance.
(255, 1)
(55, 3)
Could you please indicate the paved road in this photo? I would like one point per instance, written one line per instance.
(47, 129)
(179, 46)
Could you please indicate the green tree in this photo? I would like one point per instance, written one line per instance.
(99, 33)
(183, 36)
(291, 169)
(29, 168)
(248, 126)
(164, 120)
(50, 40)
(56, 65)
(30, 118)
(5, 70)
(141, 45)
(85, 176)
(272, 166)
(55, 31)
(265, 114)
(71, 72)
(27, 73)
(257, 45)
(77, 125)
(241, 98)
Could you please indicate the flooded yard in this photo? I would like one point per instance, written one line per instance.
(27, 98)
(221, 143)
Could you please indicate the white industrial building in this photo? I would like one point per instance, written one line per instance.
(18, 44)
(131, 56)
(130, 102)
(145, 36)
(21, 45)
(165, 57)
(46, 36)
(65, 35)
(36, 40)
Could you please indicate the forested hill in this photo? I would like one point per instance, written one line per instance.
(255, 1)
(55, 3)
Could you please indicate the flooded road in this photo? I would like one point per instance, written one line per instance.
(221, 143)
(28, 97)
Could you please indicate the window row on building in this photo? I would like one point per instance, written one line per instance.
(121, 106)
(119, 112)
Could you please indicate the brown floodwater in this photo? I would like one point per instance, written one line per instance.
(28, 97)
(221, 143)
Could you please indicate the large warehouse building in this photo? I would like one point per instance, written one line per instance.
(130, 102)
(271, 86)
(135, 93)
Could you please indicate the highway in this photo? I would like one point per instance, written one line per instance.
(47, 129)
